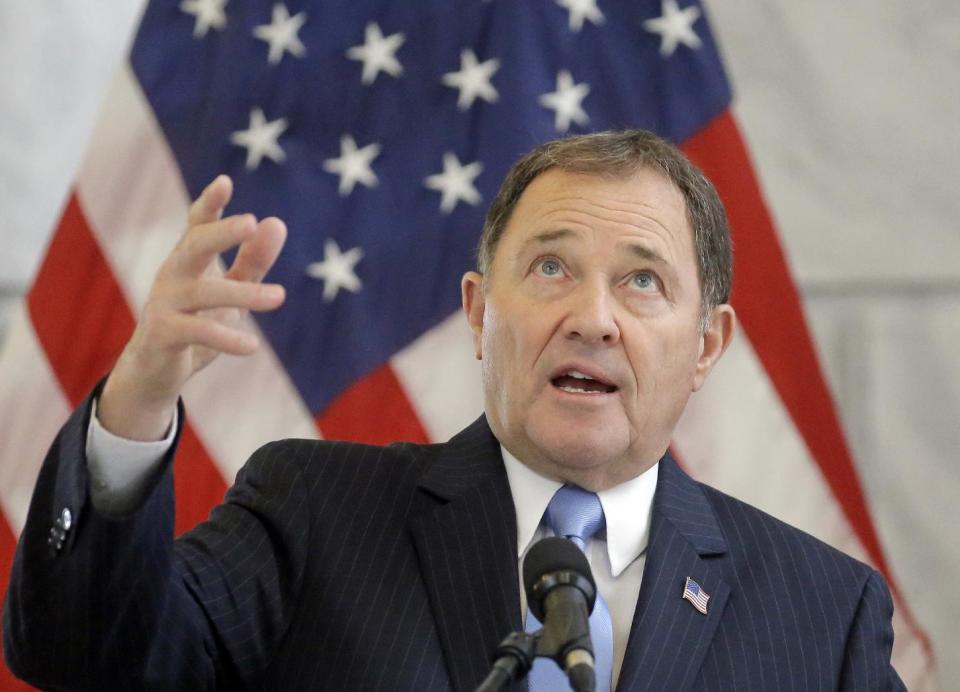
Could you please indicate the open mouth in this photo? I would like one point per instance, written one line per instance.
(576, 382)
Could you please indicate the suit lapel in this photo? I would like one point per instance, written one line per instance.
(465, 535)
(669, 637)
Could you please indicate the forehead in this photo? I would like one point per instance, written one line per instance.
(645, 206)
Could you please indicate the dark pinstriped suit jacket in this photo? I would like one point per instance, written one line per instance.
(346, 567)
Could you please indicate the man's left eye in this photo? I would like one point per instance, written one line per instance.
(550, 267)
(645, 281)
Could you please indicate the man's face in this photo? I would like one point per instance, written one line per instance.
(587, 327)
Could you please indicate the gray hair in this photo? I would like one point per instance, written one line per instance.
(621, 154)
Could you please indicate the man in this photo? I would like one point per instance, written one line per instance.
(599, 306)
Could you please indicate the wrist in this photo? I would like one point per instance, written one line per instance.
(124, 411)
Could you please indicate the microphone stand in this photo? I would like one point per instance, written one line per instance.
(512, 660)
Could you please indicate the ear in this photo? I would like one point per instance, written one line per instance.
(471, 289)
(714, 341)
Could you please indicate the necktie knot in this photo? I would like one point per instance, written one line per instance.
(575, 514)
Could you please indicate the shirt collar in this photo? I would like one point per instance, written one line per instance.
(626, 508)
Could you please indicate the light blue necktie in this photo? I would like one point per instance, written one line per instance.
(577, 515)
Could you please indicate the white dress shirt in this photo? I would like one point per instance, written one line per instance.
(121, 470)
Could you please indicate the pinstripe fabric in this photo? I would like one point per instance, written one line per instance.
(350, 567)
(786, 611)
(329, 566)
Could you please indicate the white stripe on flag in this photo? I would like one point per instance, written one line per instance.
(32, 409)
(736, 436)
(441, 378)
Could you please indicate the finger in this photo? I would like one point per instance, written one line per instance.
(203, 243)
(258, 253)
(207, 293)
(199, 330)
(211, 202)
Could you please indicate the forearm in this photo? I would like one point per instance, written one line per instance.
(84, 615)
(121, 605)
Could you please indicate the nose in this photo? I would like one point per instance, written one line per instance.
(590, 316)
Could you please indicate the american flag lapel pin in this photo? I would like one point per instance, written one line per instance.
(696, 595)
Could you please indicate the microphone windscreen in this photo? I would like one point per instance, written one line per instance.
(553, 554)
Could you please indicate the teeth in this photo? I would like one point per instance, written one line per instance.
(577, 390)
(579, 375)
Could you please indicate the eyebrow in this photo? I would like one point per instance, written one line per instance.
(636, 249)
(549, 236)
(643, 252)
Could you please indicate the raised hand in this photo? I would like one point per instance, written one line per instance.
(193, 313)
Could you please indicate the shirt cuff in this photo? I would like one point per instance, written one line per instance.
(121, 470)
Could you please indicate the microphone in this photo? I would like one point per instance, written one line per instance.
(561, 593)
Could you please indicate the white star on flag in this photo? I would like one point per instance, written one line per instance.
(260, 139)
(336, 270)
(566, 102)
(353, 165)
(473, 79)
(209, 14)
(377, 53)
(675, 26)
(580, 10)
(281, 34)
(455, 184)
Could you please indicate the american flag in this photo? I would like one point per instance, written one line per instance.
(379, 131)
(696, 595)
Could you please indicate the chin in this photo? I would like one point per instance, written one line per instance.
(581, 447)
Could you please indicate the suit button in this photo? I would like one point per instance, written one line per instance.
(60, 529)
(66, 518)
(55, 541)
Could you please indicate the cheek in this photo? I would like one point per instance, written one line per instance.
(683, 369)
(662, 365)
(495, 343)
(502, 339)
(511, 345)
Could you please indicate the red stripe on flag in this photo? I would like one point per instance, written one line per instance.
(7, 545)
(374, 410)
(768, 306)
(83, 322)
(78, 312)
